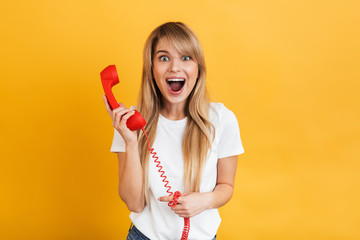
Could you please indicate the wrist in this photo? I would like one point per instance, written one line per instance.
(131, 146)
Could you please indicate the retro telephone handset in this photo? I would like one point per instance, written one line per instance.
(109, 78)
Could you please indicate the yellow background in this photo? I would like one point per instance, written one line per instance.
(289, 70)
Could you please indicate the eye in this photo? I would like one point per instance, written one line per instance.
(186, 58)
(164, 58)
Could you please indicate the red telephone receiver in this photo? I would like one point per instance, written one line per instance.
(109, 78)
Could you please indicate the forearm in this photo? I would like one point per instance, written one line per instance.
(220, 196)
(131, 188)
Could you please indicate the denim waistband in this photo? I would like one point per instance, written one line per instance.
(135, 234)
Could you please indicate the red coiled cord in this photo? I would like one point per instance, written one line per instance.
(186, 229)
(177, 194)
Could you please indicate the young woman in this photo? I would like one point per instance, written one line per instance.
(197, 142)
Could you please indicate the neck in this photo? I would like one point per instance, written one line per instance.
(173, 111)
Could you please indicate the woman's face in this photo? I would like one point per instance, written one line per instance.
(175, 74)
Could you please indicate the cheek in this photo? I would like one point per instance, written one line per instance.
(158, 76)
(158, 71)
(193, 75)
(193, 72)
(155, 72)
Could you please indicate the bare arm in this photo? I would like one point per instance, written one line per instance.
(130, 179)
(225, 182)
(130, 186)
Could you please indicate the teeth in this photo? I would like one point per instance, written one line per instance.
(175, 80)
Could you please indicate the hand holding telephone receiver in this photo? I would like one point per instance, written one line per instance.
(109, 78)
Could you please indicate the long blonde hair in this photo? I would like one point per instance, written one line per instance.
(198, 133)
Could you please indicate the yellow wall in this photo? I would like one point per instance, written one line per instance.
(289, 70)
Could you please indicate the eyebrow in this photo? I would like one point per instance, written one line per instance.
(161, 51)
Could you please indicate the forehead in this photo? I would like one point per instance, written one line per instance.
(176, 45)
(165, 45)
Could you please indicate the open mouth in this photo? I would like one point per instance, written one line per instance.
(175, 85)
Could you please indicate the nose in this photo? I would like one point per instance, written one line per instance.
(175, 65)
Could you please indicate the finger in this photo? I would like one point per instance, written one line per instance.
(118, 109)
(127, 115)
(106, 104)
(165, 199)
(182, 214)
(180, 200)
(181, 211)
(121, 111)
(177, 208)
(121, 106)
(118, 115)
(116, 119)
(125, 118)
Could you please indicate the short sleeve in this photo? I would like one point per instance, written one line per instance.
(118, 144)
(229, 140)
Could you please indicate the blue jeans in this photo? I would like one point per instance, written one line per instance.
(135, 234)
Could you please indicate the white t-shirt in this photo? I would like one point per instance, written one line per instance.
(157, 220)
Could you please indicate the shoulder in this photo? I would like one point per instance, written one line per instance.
(219, 113)
(227, 141)
(218, 107)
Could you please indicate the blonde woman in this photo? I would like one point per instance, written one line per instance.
(197, 142)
